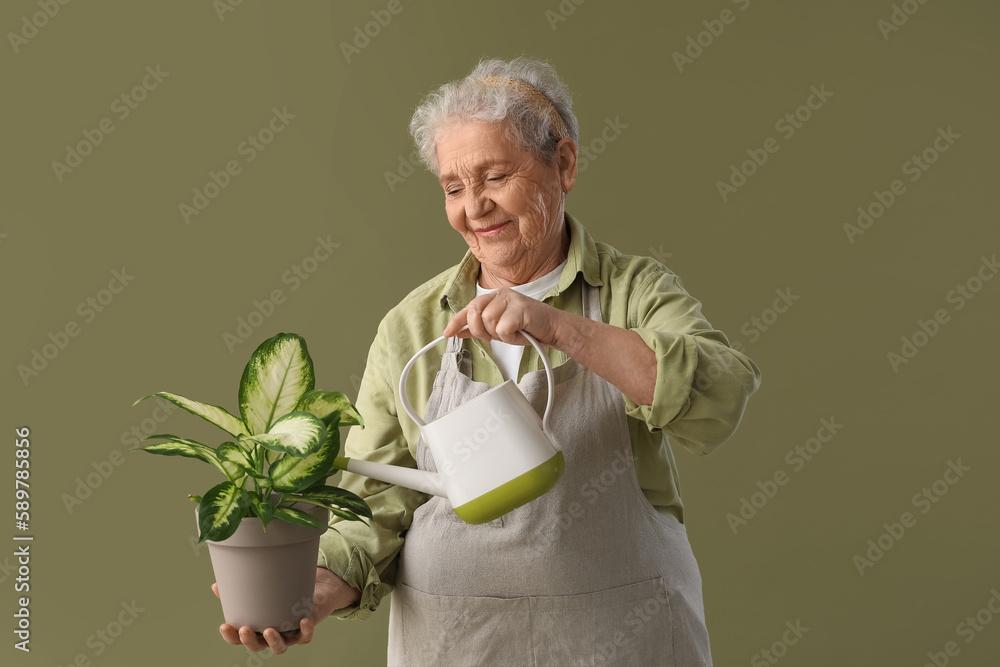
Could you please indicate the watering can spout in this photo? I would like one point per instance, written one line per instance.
(424, 481)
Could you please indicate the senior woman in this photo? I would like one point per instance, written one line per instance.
(599, 569)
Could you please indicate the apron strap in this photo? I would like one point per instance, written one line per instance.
(457, 359)
(591, 299)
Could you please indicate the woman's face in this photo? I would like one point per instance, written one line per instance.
(507, 204)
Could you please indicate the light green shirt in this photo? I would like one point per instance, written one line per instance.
(701, 390)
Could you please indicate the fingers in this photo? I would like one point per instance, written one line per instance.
(278, 642)
(470, 315)
(271, 639)
(478, 325)
(306, 628)
(230, 634)
(499, 315)
(456, 323)
(501, 318)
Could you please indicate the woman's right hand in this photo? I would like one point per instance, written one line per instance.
(331, 593)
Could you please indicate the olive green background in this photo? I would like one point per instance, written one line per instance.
(651, 190)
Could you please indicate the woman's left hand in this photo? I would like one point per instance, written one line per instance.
(501, 314)
(618, 355)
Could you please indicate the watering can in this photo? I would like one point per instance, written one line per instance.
(493, 453)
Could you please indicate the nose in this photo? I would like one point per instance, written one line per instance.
(477, 204)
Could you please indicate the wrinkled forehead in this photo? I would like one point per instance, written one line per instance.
(470, 147)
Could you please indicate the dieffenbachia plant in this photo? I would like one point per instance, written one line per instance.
(283, 446)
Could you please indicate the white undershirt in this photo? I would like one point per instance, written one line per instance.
(507, 356)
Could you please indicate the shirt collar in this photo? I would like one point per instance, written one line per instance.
(581, 258)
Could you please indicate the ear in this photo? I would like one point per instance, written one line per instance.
(565, 159)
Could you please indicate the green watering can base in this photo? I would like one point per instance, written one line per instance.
(511, 495)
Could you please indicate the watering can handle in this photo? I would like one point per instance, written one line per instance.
(531, 339)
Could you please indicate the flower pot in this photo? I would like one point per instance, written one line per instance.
(267, 579)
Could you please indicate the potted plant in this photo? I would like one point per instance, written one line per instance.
(263, 523)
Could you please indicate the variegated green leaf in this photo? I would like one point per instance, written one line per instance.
(332, 420)
(195, 499)
(323, 403)
(298, 517)
(220, 511)
(291, 474)
(247, 444)
(234, 461)
(264, 509)
(347, 515)
(297, 433)
(279, 372)
(332, 495)
(176, 446)
(210, 413)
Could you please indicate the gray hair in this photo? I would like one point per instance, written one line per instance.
(524, 124)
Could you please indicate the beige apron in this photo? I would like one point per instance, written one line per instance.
(588, 574)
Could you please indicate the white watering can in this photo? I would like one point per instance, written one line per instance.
(493, 454)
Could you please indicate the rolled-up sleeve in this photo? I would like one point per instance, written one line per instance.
(365, 556)
(702, 384)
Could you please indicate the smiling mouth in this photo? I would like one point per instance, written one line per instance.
(492, 230)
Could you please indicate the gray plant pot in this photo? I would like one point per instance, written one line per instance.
(267, 579)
